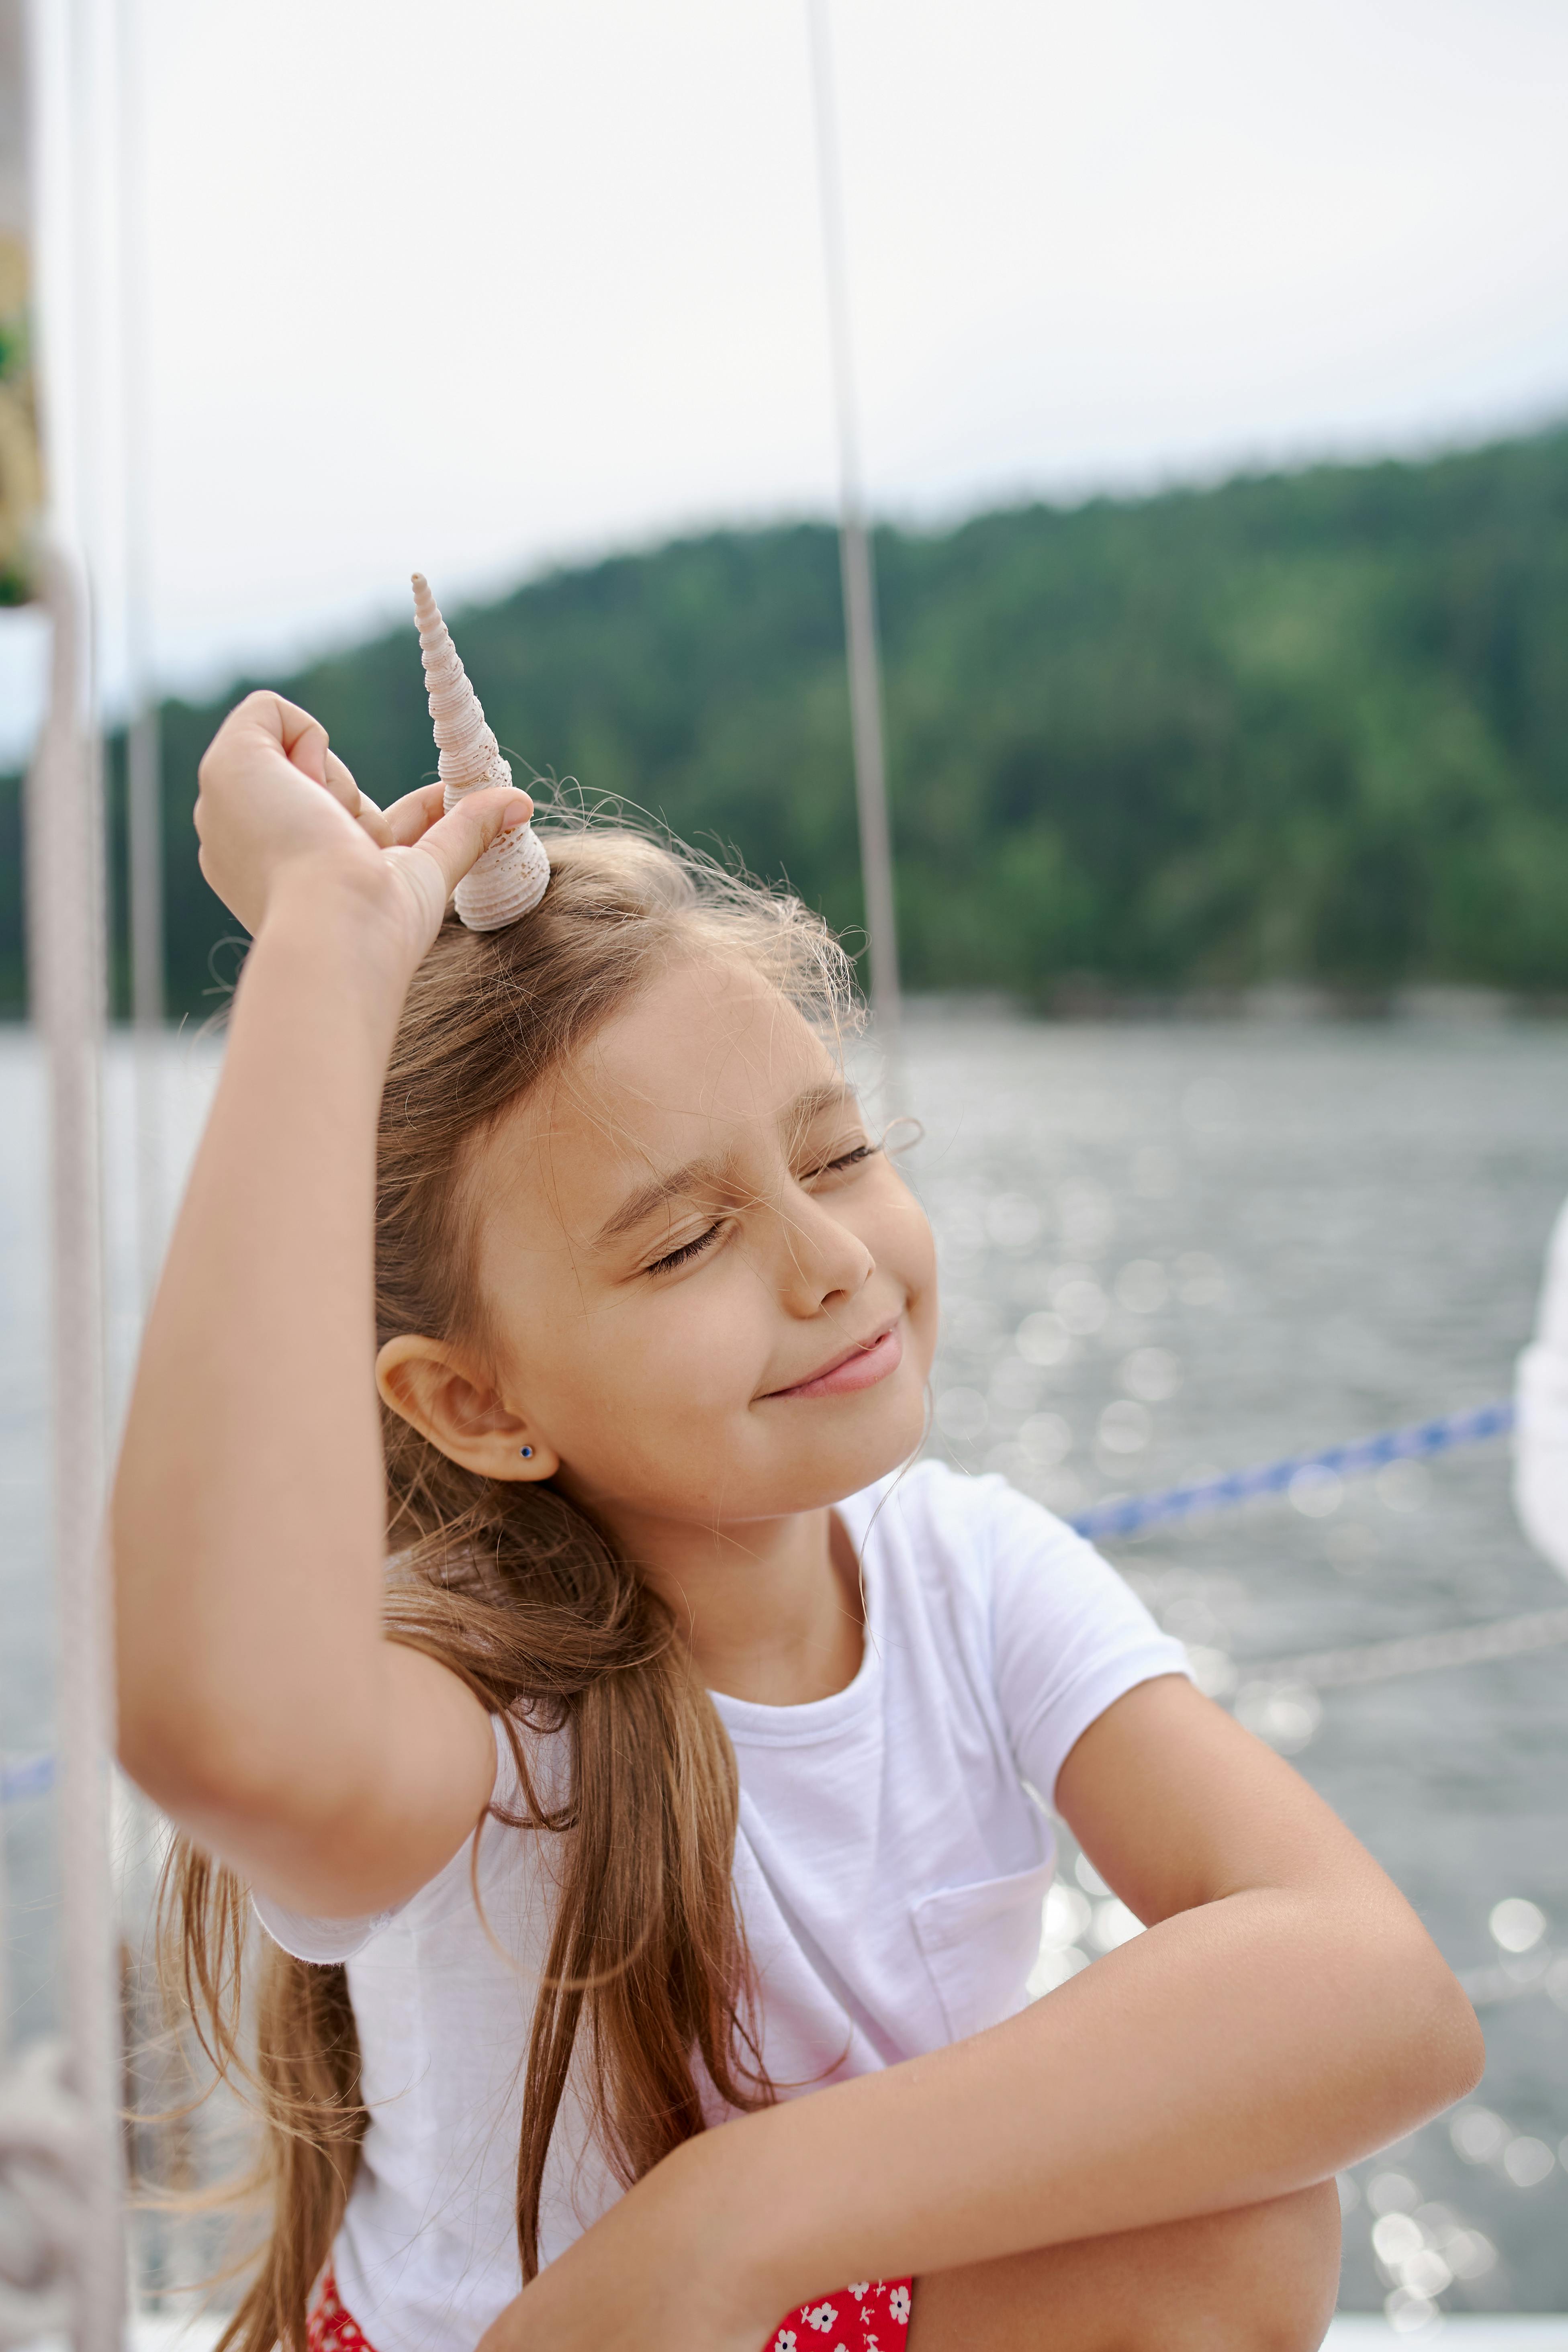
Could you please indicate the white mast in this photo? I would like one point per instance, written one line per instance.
(76, 2111)
(143, 750)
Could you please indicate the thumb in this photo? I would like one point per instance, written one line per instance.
(456, 843)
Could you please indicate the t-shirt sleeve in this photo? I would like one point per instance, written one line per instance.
(1070, 1636)
(323, 1941)
(326, 1942)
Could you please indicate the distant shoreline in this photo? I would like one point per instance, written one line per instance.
(1084, 1001)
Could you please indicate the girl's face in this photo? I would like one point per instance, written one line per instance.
(709, 1297)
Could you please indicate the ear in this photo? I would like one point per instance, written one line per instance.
(459, 1410)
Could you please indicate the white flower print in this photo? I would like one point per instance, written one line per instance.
(857, 2288)
(784, 2340)
(822, 2318)
(898, 2304)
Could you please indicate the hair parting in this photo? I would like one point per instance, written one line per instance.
(648, 1990)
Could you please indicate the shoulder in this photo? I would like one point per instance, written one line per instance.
(944, 1524)
(993, 1569)
(983, 1591)
(1032, 1607)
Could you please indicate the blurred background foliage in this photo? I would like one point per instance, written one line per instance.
(1311, 727)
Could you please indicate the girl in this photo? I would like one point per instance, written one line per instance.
(692, 1766)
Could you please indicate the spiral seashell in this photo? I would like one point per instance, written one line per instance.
(512, 876)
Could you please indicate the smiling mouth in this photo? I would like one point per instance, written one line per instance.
(860, 1367)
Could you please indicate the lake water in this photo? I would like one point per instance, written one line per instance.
(1171, 1248)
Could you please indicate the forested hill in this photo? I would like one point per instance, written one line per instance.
(1312, 727)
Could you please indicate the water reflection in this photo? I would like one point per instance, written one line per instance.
(1515, 1924)
(1267, 1242)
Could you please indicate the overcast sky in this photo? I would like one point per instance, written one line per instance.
(479, 286)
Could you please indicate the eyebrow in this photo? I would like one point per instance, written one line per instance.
(637, 1206)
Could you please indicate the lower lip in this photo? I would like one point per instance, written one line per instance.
(861, 1371)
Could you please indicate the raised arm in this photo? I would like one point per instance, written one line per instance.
(259, 1703)
(1285, 2014)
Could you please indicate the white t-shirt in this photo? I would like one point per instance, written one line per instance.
(891, 1866)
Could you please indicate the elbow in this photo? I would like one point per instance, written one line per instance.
(1438, 2053)
(161, 1735)
(179, 1780)
(186, 1733)
(231, 1777)
(148, 1739)
(201, 1763)
(1464, 2051)
(175, 1757)
(156, 1694)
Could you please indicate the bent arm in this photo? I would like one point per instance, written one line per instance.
(259, 1704)
(1286, 2014)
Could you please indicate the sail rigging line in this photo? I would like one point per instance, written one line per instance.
(857, 577)
(1414, 1653)
(69, 987)
(65, 934)
(60, 2142)
(143, 747)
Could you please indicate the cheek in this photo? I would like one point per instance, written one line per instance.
(648, 1393)
(658, 1371)
(655, 1411)
(921, 1246)
(899, 1237)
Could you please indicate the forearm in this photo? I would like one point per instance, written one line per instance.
(248, 1507)
(1168, 2080)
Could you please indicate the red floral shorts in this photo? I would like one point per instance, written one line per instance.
(873, 2316)
(870, 2317)
(330, 2328)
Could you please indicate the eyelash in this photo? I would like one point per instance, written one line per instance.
(850, 1158)
(689, 1250)
(679, 1257)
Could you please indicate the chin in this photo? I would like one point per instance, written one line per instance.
(844, 1458)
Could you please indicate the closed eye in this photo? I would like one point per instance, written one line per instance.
(686, 1251)
(844, 1161)
(851, 1159)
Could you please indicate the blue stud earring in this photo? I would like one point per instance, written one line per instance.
(526, 1452)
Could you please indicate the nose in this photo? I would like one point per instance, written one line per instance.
(821, 1261)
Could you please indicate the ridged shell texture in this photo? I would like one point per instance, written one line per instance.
(512, 876)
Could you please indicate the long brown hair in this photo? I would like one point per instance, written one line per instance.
(520, 1593)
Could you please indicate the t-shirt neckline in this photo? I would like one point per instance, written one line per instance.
(751, 1724)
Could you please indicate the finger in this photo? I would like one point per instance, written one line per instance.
(373, 821)
(415, 814)
(339, 782)
(427, 884)
(453, 843)
(303, 739)
(258, 714)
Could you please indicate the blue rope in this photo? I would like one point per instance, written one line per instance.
(25, 1776)
(32, 1775)
(1130, 1513)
